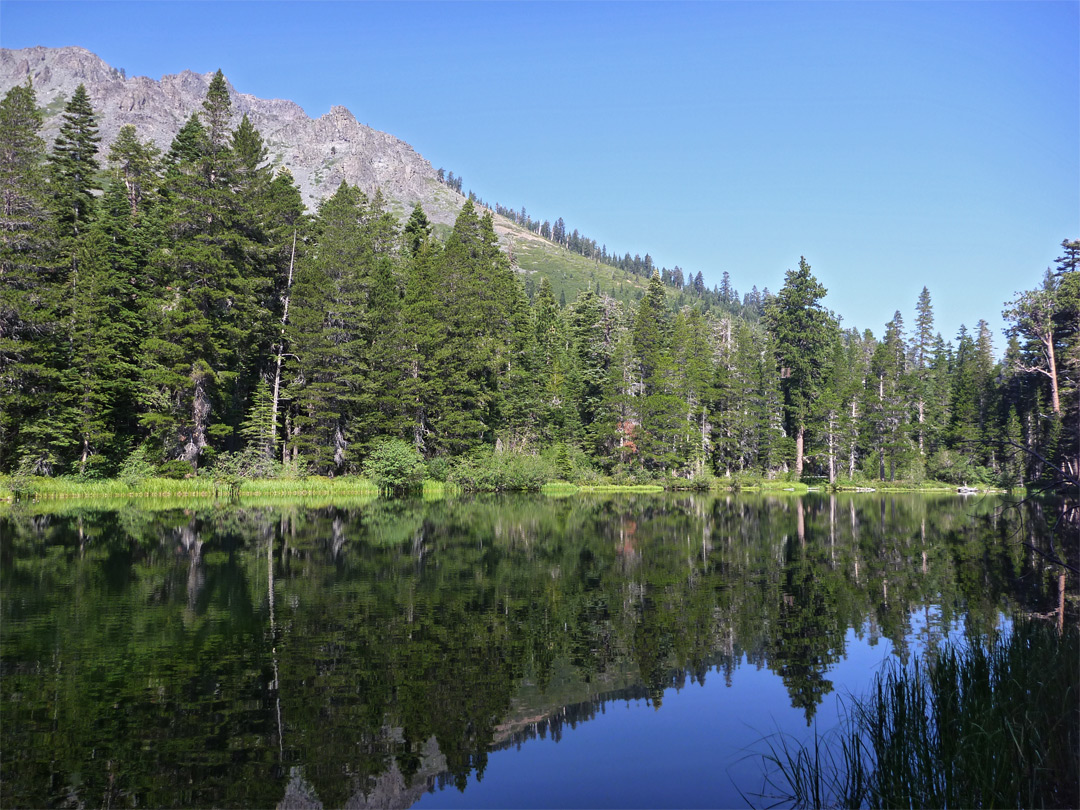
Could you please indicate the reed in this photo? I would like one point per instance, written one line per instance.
(983, 726)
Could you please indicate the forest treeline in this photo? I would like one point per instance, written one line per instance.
(724, 295)
(181, 311)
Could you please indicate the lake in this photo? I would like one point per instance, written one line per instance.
(518, 651)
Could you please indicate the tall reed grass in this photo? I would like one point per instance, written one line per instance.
(984, 726)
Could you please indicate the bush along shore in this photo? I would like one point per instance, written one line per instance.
(993, 724)
(394, 467)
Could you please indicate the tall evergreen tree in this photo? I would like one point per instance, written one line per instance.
(422, 331)
(326, 329)
(693, 357)
(416, 231)
(889, 408)
(802, 331)
(659, 407)
(1034, 318)
(74, 166)
(97, 381)
(29, 281)
(135, 165)
(922, 342)
(210, 317)
(593, 326)
(963, 430)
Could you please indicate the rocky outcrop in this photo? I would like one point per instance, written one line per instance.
(319, 152)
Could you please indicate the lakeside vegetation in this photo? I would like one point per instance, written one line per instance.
(179, 313)
(36, 488)
(990, 724)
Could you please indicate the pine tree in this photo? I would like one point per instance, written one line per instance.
(73, 167)
(325, 332)
(1012, 452)
(963, 430)
(1034, 319)
(592, 327)
(550, 368)
(731, 434)
(920, 347)
(659, 407)
(98, 378)
(841, 381)
(692, 354)
(422, 331)
(889, 409)
(802, 331)
(416, 231)
(135, 164)
(211, 320)
(29, 281)
(381, 412)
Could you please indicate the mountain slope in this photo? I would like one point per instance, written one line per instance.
(320, 153)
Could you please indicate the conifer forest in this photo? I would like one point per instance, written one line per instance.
(182, 311)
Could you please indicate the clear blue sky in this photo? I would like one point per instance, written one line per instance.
(895, 145)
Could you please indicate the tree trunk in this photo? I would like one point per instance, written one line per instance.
(800, 436)
(922, 452)
(851, 447)
(1055, 401)
(832, 448)
(704, 443)
(281, 344)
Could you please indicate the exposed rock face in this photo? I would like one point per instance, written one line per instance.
(320, 153)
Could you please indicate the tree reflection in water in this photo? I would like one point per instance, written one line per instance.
(254, 655)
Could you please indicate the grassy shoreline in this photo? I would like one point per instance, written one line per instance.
(37, 488)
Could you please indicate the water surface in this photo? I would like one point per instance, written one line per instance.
(615, 651)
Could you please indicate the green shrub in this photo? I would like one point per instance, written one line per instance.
(247, 464)
(395, 466)
(957, 469)
(174, 469)
(489, 471)
(570, 463)
(438, 468)
(136, 467)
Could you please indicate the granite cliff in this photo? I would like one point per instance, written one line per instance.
(319, 152)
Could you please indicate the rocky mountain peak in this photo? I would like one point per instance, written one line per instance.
(320, 153)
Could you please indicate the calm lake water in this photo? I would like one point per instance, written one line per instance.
(609, 651)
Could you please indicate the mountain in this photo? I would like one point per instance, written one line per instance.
(319, 152)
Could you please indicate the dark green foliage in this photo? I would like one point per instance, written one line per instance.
(326, 332)
(97, 382)
(29, 285)
(416, 231)
(73, 166)
(135, 165)
(802, 331)
(394, 466)
(194, 295)
(660, 410)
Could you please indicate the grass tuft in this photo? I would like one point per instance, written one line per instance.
(984, 726)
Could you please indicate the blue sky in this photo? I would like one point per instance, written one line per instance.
(895, 145)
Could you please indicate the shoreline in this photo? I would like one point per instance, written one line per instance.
(35, 489)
